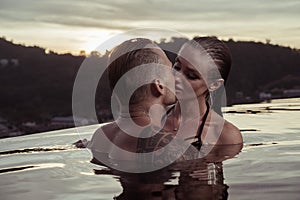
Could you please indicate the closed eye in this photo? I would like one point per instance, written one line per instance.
(191, 76)
(176, 66)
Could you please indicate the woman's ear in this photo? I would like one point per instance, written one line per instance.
(216, 84)
(157, 88)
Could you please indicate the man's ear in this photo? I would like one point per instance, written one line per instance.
(157, 88)
(216, 84)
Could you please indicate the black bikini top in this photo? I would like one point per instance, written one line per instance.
(198, 143)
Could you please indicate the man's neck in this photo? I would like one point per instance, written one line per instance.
(143, 115)
(137, 113)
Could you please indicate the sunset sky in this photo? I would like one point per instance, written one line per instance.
(72, 26)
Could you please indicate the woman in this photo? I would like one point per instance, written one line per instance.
(202, 64)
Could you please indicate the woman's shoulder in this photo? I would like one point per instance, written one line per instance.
(228, 126)
(230, 134)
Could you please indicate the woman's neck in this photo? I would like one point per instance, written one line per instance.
(202, 106)
(194, 109)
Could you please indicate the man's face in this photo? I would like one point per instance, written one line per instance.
(169, 80)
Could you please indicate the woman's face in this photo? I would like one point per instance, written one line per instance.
(192, 70)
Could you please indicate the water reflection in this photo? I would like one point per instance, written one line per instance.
(186, 179)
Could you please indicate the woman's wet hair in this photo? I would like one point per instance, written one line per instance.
(220, 54)
(218, 51)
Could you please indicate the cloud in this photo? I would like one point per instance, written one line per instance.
(123, 14)
(233, 18)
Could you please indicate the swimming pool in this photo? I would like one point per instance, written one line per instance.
(47, 166)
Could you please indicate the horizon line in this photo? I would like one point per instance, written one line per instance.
(78, 52)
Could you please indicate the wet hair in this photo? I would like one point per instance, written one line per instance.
(219, 52)
(126, 56)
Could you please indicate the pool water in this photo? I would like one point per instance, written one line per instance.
(47, 166)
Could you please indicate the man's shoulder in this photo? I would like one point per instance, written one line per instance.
(100, 136)
(105, 128)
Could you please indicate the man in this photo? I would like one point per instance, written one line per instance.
(143, 87)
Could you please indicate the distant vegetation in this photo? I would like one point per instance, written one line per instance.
(36, 84)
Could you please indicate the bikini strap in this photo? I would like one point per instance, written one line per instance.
(198, 143)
